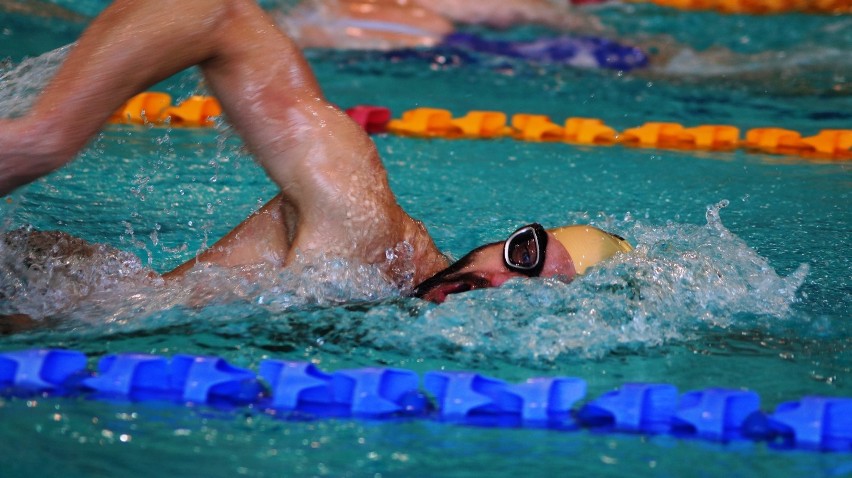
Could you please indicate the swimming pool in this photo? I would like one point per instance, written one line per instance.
(755, 294)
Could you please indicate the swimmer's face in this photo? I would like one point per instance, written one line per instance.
(529, 252)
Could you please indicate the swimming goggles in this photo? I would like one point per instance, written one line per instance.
(524, 250)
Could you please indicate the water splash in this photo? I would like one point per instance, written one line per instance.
(55, 275)
(45, 274)
(680, 281)
(22, 82)
(326, 282)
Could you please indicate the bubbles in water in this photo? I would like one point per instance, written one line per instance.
(52, 274)
(46, 274)
(680, 280)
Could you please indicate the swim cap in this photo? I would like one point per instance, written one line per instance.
(589, 245)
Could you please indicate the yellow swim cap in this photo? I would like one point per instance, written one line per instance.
(589, 245)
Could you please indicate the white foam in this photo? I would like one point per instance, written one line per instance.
(20, 84)
(681, 280)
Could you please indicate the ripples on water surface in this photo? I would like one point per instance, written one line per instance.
(740, 276)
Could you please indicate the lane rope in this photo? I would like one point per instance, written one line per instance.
(758, 7)
(832, 144)
(300, 390)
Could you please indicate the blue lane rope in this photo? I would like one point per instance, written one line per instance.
(299, 389)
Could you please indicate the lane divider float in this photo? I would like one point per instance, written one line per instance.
(433, 122)
(299, 390)
(201, 111)
(156, 108)
(758, 7)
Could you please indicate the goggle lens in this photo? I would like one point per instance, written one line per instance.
(524, 251)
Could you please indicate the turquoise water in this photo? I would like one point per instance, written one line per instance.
(741, 275)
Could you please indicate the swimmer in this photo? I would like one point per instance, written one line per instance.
(389, 24)
(395, 24)
(334, 195)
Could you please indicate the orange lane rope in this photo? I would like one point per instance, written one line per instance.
(759, 7)
(836, 144)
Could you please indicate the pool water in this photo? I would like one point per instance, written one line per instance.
(741, 276)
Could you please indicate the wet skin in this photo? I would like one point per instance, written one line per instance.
(484, 267)
(334, 199)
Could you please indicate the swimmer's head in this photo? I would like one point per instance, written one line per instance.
(531, 251)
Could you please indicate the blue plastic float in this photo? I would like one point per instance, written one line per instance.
(300, 389)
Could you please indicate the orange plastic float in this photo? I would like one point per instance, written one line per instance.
(425, 122)
(783, 6)
(142, 108)
(536, 128)
(831, 142)
(831, 6)
(712, 136)
(482, 124)
(588, 131)
(654, 134)
(774, 140)
(154, 108)
(194, 111)
(758, 7)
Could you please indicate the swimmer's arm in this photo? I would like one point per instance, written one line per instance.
(129, 47)
(253, 69)
(325, 165)
(263, 238)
